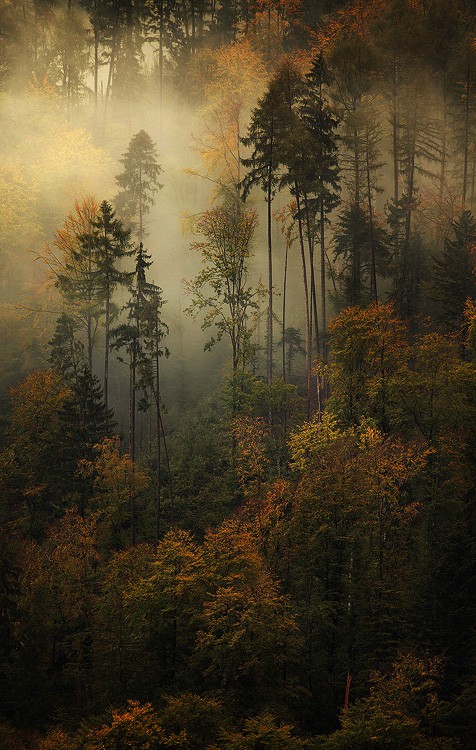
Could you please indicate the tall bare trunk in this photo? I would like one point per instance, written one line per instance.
(270, 281)
(306, 298)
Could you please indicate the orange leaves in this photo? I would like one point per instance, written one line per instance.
(37, 401)
(237, 79)
(114, 474)
(354, 20)
(137, 727)
(77, 223)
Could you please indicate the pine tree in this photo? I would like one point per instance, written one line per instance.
(87, 421)
(141, 338)
(358, 244)
(67, 353)
(139, 182)
(321, 124)
(111, 245)
(454, 278)
(265, 136)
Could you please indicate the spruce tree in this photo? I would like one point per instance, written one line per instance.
(265, 136)
(357, 242)
(321, 124)
(111, 245)
(139, 182)
(140, 337)
(67, 353)
(454, 278)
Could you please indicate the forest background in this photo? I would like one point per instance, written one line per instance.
(269, 544)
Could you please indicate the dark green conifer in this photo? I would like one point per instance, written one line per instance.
(139, 182)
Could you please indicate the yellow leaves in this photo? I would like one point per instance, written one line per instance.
(470, 323)
(237, 79)
(20, 227)
(251, 461)
(305, 441)
(69, 164)
(56, 162)
(114, 475)
(37, 403)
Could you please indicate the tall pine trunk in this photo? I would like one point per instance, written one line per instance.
(306, 298)
(270, 280)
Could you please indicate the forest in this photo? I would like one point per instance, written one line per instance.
(237, 374)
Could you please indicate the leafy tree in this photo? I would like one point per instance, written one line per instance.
(235, 74)
(53, 662)
(134, 728)
(246, 621)
(265, 732)
(119, 656)
(139, 180)
(117, 483)
(164, 608)
(37, 439)
(74, 265)
(368, 347)
(397, 713)
(201, 718)
(221, 289)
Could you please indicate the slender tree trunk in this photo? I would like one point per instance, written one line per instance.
(312, 273)
(323, 280)
(473, 175)
(443, 142)
(285, 279)
(169, 469)
(161, 64)
(395, 125)
(158, 488)
(96, 62)
(132, 439)
(107, 324)
(89, 320)
(466, 134)
(373, 269)
(306, 297)
(270, 280)
(141, 231)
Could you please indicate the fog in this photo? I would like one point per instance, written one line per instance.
(61, 143)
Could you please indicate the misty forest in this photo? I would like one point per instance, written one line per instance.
(238, 374)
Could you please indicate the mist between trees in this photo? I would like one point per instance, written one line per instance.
(237, 382)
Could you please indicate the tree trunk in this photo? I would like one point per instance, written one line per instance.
(132, 439)
(466, 134)
(306, 297)
(270, 280)
(373, 269)
(158, 506)
(284, 310)
(323, 280)
(107, 324)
